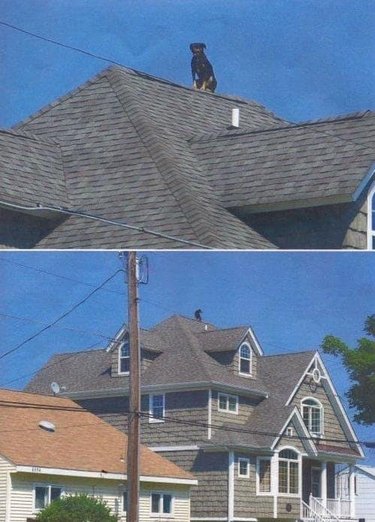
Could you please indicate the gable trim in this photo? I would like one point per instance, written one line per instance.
(254, 338)
(316, 358)
(295, 413)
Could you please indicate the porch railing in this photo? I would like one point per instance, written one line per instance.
(317, 506)
(336, 508)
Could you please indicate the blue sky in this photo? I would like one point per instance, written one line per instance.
(292, 300)
(303, 59)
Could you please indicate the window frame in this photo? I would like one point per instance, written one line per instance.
(49, 487)
(153, 419)
(289, 461)
(124, 504)
(318, 406)
(250, 359)
(247, 474)
(258, 482)
(160, 513)
(370, 218)
(121, 357)
(227, 396)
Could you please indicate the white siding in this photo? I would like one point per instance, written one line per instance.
(365, 498)
(5, 468)
(365, 493)
(108, 491)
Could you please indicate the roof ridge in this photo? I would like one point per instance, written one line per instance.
(233, 133)
(289, 354)
(218, 330)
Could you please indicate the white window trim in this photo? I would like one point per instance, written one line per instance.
(258, 492)
(370, 224)
(227, 410)
(119, 358)
(243, 374)
(321, 407)
(160, 514)
(299, 464)
(151, 418)
(45, 485)
(243, 459)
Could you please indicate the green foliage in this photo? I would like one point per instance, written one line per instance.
(77, 508)
(360, 363)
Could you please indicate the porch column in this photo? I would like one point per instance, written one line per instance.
(275, 481)
(323, 488)
(351, 490)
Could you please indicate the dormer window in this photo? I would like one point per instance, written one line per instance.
(124, 358)
(312, 413)
(245, 359)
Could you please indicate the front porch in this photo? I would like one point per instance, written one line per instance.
(320, 501)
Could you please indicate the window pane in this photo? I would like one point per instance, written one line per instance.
(293, 479)
(41, 497)
(245, 351)
(222, 402)
(315, 420)
(124, 365)
(125, 501)
(55, 493)
(232, 404)
(283, 477)
(158, 406)
(244, 466)
(245, 366)
(155, 498)
(288, 454)
(167, 504)
(265, 475)
(125, 350)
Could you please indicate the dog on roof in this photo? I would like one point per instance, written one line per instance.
(201, 69)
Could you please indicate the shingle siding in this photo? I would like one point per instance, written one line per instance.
(322, 227)
(210, 497)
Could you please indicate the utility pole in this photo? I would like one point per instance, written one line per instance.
(134, 392)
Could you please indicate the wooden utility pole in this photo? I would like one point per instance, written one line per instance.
(134, 392)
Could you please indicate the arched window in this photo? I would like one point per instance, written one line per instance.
(245, 359)
(371, 219)
(288, 472)
(124, 357)
(312, 413)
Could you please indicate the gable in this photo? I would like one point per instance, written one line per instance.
(337, 431)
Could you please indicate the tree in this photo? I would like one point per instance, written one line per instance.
(77, 508)
(360, 364)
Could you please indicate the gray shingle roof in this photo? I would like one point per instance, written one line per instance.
(183, 360)
(26, 163)
(304, 162)
(123, 140)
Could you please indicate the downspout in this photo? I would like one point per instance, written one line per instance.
(230, 486)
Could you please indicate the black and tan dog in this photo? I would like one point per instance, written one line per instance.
(201, 69)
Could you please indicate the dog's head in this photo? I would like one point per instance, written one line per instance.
(197, 48)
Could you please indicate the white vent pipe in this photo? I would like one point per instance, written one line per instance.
(235, 117)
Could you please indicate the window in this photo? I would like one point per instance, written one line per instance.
(288, 472)
(161, 503)
(125, 501)
(44, 495)
(243, 467)
(312, 413)
(371, 220)
(124, 357)
(290, 432)
(264, 474)
(157, 408)
(245, 359)
(228, 403)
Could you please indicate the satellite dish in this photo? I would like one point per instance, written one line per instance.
(55, 388)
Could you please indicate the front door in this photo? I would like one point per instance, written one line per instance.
(316, 482)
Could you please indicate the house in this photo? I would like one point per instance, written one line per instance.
(128, 160)
(262, 434)
(364, 486)
(49, 447)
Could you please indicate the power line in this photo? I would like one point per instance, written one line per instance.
(66, 46)
(39, 207)
(60, 317)
(42, 271)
